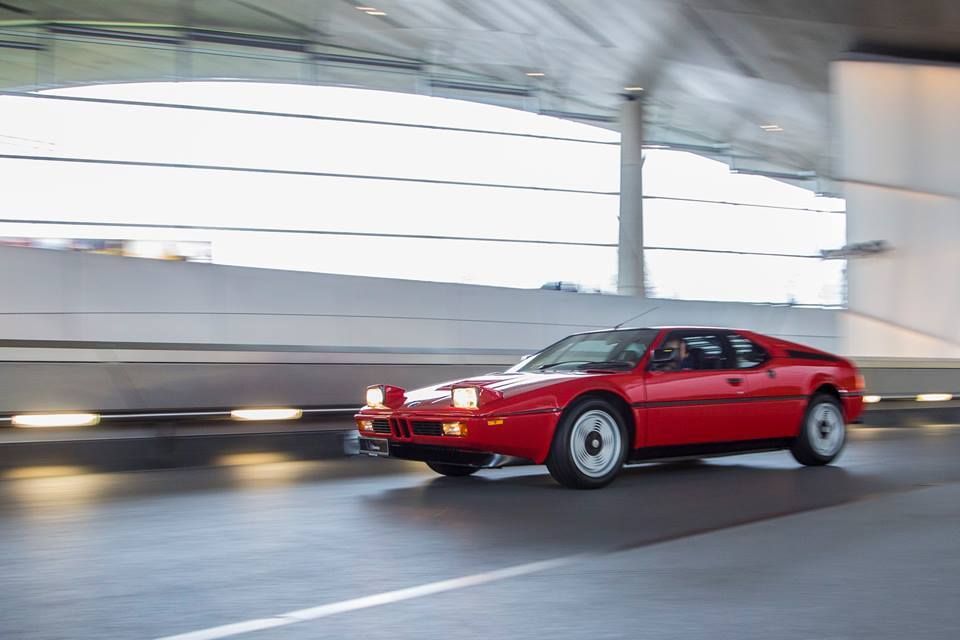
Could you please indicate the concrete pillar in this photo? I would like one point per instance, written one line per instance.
(898, 137)
(630, 275)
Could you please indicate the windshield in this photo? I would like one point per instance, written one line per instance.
(613, 350)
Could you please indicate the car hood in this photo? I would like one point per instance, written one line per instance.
(507, 384)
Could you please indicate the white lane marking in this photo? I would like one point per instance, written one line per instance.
(376, 600)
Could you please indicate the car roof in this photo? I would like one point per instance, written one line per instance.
(677, 327)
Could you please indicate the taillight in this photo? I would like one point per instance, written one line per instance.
(860, 382)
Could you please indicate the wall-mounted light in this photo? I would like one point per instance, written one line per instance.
(872, 399)
(934, 397)
(56, 420)
(271, 413)
(856, 250)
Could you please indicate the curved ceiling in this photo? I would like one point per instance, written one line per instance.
(712, 71)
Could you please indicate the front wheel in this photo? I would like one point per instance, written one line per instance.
(589, 446)
(452, 470)
(822, 434)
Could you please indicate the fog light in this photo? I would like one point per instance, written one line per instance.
(934, 397)
(56, 420)
(365, 425)
(456, 429)
(872, 399)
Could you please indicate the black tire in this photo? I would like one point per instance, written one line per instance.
(563, 462)
(810, 447)
(452, 470)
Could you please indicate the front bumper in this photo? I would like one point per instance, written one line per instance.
(527, 436)
(445, 455)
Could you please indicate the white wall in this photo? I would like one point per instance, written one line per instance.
(103, 332)
(899, 160)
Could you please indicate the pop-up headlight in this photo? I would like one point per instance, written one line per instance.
(470, 397)
(465, 397)
(384, 396)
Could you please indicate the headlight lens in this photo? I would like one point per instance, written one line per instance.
(365, 425)
(375, 396)
(465, 398)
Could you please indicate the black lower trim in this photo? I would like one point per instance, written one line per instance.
(446, 455)
(711, 401)
(708, 449)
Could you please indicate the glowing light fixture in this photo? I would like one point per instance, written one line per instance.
(376, 13)
(366, 9)
(465, 397)
(56, 420)
(633, 88)
(771, 127)
(872, 399)
(375, 396)
(455, 429)
(934, 397)
(536, 74)
(273, 413)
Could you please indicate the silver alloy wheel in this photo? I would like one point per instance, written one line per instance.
(595, 443)
(825, 428)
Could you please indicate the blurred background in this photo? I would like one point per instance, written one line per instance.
(217, 205)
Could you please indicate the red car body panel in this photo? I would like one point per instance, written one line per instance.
(668, 409)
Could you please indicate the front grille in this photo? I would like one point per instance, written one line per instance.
(381, 426)
(401, 427)
(422, 428)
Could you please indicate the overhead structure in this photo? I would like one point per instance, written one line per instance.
(742, 80)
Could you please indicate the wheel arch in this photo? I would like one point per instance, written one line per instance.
(617, 401)
(829, 388)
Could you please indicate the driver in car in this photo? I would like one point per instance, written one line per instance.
(682, 359)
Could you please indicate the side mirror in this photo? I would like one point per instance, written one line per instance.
(661, 356)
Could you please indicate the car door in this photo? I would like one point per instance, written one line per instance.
(775, 398)
(697, 402)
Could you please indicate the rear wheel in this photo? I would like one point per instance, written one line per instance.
(452, 470)
(589, 446)
(822, 434)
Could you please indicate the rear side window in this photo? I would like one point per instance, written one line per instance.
(746, 353)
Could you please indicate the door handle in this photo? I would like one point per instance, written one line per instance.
(735, 381)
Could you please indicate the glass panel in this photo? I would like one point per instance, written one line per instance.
(680, 174)
(749, 278)
(708, 225)
(150, 195)
(747, 353)
(340, 102)
(77, 61)
(148, 134)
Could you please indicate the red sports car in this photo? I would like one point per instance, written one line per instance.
(593, 402)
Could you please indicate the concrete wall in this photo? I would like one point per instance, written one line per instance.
(898, 140)
(110, 333)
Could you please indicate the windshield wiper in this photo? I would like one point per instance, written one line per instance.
(607, 364)
(544, 367)
(586, 364)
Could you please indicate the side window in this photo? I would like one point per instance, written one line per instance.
(694, 352)
(747, 354)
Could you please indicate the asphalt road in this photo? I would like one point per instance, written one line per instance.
(743, 547)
